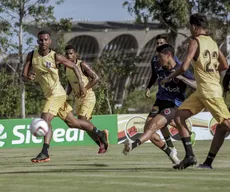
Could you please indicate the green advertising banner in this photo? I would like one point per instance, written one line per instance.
(15, 133)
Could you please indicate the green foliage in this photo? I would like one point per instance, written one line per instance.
(9, 94)
(15, 18)
(136, 102)
(111, 69)
(172, 14)
(34, 99)
(59, 28)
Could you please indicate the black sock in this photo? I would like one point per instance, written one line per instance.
(94, 138)
(169, 141)
(166, 149)
(97, 132)
(136, 143)
(187, 146)
(45, 148)
(209, 159)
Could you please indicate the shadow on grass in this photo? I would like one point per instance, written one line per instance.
(90, 170)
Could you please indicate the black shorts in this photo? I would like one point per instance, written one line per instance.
(164, 108)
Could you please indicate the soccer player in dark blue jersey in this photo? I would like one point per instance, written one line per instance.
(156, 140)
(169, 97)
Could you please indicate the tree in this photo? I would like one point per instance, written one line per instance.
(16, 16)
(9, 106)
(172, 14)
(113, 70)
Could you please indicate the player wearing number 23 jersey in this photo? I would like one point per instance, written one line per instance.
(209, 90)
(208, 61)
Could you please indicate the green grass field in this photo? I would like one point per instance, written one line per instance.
(146, 169)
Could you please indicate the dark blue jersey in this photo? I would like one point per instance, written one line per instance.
(175, 89)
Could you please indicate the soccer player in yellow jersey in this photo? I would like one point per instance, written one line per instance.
(207, 61)
(84, 105)
(43, 62)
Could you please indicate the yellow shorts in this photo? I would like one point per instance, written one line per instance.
(85, 106)
(57, 106)
(216, 106)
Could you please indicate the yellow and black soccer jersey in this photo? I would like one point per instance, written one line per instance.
(205, 68)
(73, 79)
(47, 74)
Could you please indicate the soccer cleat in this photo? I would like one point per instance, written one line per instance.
(204, 166)
(127, 147)
(193, 138)
(186, 162)
(173, 156)
(41, 158)
(104, 142)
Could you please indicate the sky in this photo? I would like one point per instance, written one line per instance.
(93, 10)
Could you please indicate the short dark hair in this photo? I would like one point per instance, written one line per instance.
(162, 36)
(165, 48)
(67, 47)
(199, 20)
(43, 32)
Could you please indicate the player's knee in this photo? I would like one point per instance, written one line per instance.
(72, 122)
(226, 125)
(155, 137)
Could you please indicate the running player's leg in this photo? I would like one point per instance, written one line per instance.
(84, 109)
(165, 132)
(167, 137)
(155, 138)
(167, 147)
(171, 152)
(151, 127)
(220, 112)
(92, 136)
(189, 125)
(66, 114)
(189, 107)
(157, 122)
(50, 110)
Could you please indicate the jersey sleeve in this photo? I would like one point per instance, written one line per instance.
(153, 77)
(177, 60)
(188, 74)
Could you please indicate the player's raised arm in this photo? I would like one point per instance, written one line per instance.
(91, 74)
(223, 62)
(60, 59)
(192, 49)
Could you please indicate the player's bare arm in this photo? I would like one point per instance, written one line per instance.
(60, 59)
(27, 68)
(187, 81)
(192, 49)
(91, 74)
(152, 80)
(223, 62)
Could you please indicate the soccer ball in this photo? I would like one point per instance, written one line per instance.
(39, 127)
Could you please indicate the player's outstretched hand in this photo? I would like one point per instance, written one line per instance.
(147, 93)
